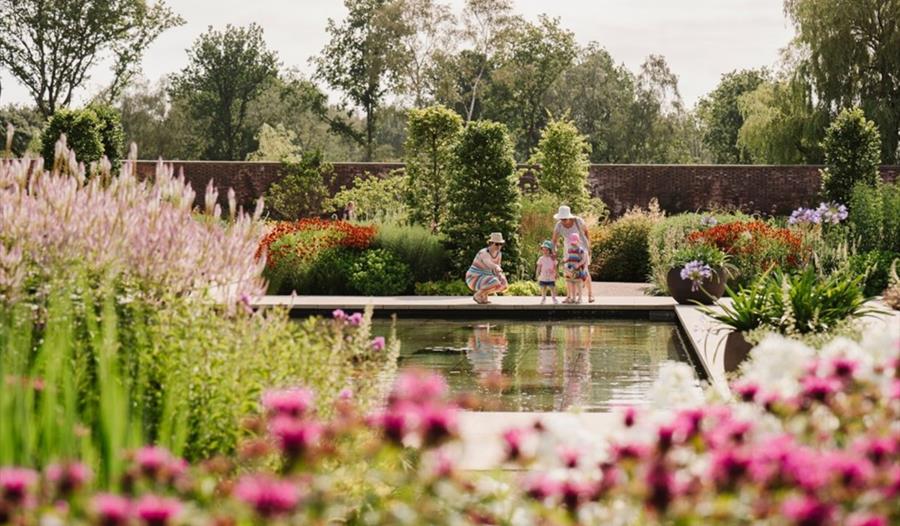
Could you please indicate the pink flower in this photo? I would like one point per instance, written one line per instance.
(728, 467)
(378, 343)
(850, 470)
(339, 314)
(865, 519)
(513, 440)
(15, 483)
(294, 436)
(842, 367)
(418, 387)
(355, 319)
(346, 394)
(747, 391)
(876, 449)
(68, 477)
(575, 492)
(438, 423)
(629, 452)
(291, 402)
(269, 497)
(397, 421)
(540, 486)
(629, 416)
(569, 456)
(661, 483)
(808, 511)
(152, 459)
(153, 510)
(112, 510)
(819, 389)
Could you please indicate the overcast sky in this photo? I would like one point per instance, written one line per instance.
(701, 39)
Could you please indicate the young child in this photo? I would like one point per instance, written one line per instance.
(574, 270)
(546, 271)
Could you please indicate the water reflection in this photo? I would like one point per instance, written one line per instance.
(559, 365)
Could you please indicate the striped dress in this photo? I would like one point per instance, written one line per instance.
(485, 271)
(575, 262)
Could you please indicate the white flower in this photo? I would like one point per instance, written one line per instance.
(776, 364)
(675, 387)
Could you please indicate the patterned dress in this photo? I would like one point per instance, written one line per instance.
(485, 271)
(575, 263)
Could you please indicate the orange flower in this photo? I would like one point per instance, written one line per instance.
(322, 234)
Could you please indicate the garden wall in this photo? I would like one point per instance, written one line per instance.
(679, 188)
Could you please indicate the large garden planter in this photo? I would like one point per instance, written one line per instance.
(737, 349)
(710, 290)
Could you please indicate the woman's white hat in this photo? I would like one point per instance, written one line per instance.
(564, 213)
(496, 237)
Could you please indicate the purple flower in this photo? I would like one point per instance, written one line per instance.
(291, 402)
(269, 497)
(696, 272)
(802, 216)
(378, 343)
(15, 483)
(153, 510)
(112, 510)
(708, 221)
(832, 213)
(808, 511)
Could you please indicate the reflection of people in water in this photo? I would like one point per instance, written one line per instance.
(486, 351)
(546, 362)
(576, 366)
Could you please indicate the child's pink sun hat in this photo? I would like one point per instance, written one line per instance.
(574, 239)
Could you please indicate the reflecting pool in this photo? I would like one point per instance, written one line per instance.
(547, 366)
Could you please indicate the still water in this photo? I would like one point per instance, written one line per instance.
(548, 366)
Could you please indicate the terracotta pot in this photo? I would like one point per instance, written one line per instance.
(710, 290)
(737, 348)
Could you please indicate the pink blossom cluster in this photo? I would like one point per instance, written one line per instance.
(418, 411)
(828, 454)
(147, 231)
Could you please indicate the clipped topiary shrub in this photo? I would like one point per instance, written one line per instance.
(431, 135)
(563, 157)
(82, 131)
(112, 135)
(378, 272)
(852, 153)
(483, 195)
(620, 250)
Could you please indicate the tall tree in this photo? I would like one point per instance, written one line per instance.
(158, 125)
(853, 58)
(486, 27)
(429, 33)
(226, 71)
(361, 60)
(721, 117)
(51, 46)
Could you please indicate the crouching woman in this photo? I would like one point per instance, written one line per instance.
(485, 276)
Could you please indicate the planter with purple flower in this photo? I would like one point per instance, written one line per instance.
(698, 275)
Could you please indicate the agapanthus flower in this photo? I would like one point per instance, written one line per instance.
(803, 216)
(268, 496)
(291, 402)
(696, 272)
(832, 213)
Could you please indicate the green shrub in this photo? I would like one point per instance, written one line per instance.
(301, 190)
(27, 123)
(852, 148)
(620, 250)
(456, 287)
(535, 226)
(329, 272)
(875, 267)
(532, 288)
(416, 246)
(794, 304)
(563, 157)
(374, 199)
(707, 254)
(82, 131)
(112, 135)
(874, 218)
(431, 135)
(483, 195)
(378, 272)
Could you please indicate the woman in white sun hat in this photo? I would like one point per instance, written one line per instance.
(485, 276)
(566, 225)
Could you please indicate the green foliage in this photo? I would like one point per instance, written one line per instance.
(875, 267)
(374, 198)
(82, 130)
(707, 254)
(325, 272)
(27, 123)
(532, 288)
(563, 158)
(58, 42)
(443, 288)
(416, 246)
(852, 154)
(226, 71)
(620, 250)
(274, 143)
(379, 272)
(483, 195)
(794, 304)
(431, 134)
(111, 133)
(874, 218)
(301, 190)
(722, 117)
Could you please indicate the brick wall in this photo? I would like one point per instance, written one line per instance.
(679, 188)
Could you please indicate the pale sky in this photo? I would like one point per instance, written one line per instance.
(701, 39)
